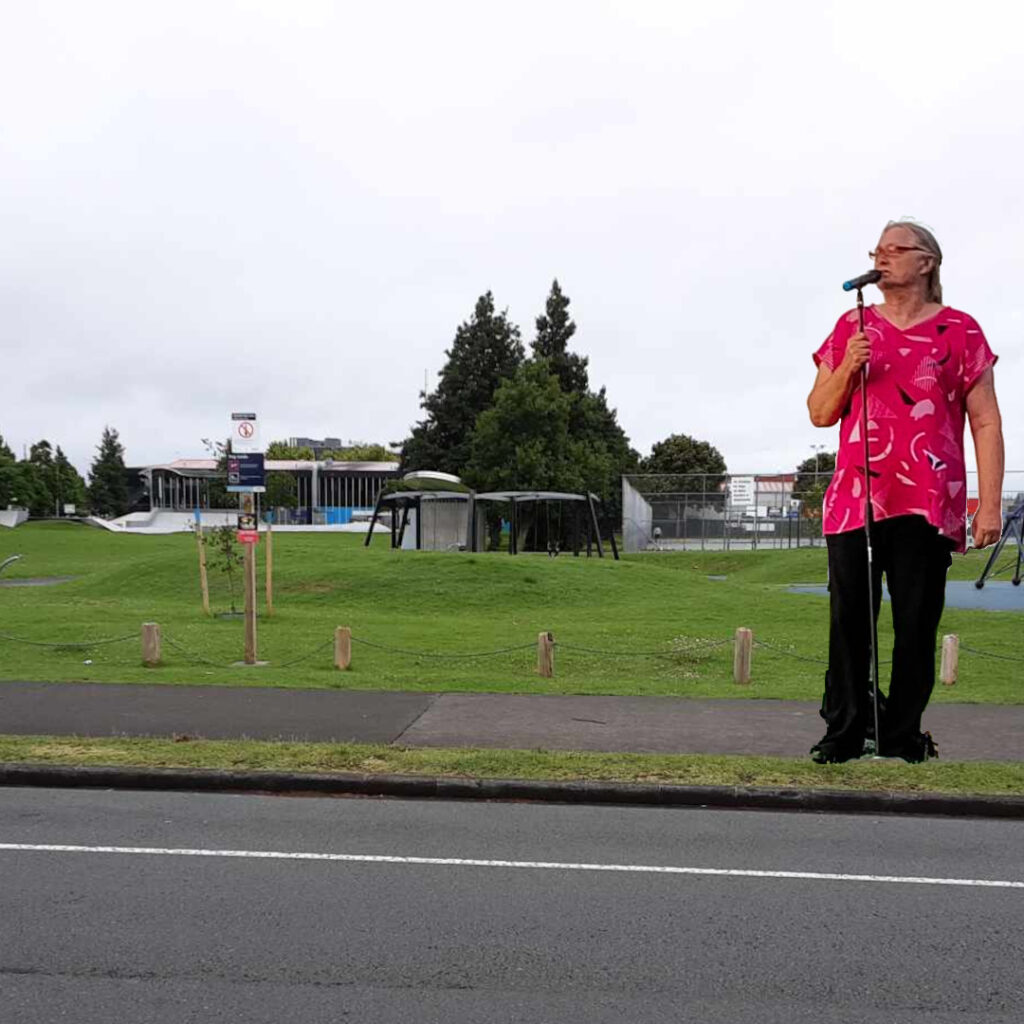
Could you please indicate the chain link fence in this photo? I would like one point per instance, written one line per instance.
(724, 512)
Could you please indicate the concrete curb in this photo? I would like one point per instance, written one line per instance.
(417, 786)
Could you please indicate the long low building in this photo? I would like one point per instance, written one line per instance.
(326, 491)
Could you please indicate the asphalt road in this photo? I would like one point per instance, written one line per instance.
(315, 929)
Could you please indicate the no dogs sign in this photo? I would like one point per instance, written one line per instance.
(245, 435)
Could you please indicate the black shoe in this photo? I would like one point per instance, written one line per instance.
(827, 752)
(923, 750)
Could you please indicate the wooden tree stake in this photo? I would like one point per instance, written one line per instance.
(741, 655)
(204, 585)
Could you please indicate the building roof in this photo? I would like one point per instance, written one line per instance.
(184, 467)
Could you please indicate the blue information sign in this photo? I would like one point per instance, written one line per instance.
(245, 474)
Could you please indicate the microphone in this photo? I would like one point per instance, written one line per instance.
(871, 277)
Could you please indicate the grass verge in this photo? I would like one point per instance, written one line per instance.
(657, 624)
(962, 778)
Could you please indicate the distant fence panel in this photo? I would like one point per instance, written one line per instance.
(723, 512)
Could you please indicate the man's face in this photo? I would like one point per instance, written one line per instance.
(900, 259)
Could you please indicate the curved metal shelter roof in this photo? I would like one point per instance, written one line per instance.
(534, 496)
(395, 497)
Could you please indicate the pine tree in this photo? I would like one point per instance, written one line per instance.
(554, 330)
(108, 485)
(594, 431)
(486, 350)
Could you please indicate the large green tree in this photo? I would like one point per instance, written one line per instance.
(486, 351)
(108, 484)
(527, 441)
(56, 482)
(44, 498)
(522, 442)
(683, 464)
(70, 485)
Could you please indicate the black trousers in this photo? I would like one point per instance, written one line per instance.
(914, 557)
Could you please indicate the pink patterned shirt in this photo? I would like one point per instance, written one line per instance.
(917, 389)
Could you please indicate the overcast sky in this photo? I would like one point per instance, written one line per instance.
(289, 207)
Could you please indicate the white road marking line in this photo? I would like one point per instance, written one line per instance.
(649, 869)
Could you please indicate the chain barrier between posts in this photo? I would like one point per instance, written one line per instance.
(803, 657)
(439, 654)
(990, 654)
(308, 654)
(198, 658)
(692, 649)
(697, 648)
(83, 643)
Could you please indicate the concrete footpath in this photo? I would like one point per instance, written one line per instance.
(649, 725)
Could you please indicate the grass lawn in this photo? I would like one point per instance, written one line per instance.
(451, 604)
(888, 776)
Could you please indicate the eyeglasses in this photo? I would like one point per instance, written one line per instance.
(895, 250)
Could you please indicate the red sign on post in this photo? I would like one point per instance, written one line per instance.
(247, 537)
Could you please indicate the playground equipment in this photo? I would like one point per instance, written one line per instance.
(1013, 526)
(7, 561)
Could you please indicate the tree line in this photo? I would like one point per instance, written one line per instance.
(45, 481)
(499, 419)
(503, 421)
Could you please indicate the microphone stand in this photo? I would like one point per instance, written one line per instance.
(868, 517)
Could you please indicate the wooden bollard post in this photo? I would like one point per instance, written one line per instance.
(950, 659)
(343, 648)
(150, 644)
(545, 655)
(249, 571)
(741, 655)
(269, 574)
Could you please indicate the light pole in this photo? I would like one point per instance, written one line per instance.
(818, 449)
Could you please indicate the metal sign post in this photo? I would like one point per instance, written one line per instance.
(248, 537)
(246, 478)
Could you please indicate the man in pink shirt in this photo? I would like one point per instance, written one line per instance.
(929, 366)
